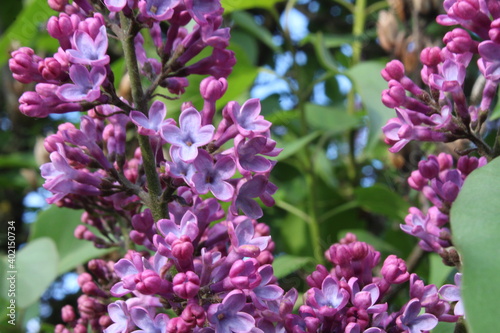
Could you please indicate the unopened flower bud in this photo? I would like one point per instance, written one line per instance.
(186, 285)
(68, 313)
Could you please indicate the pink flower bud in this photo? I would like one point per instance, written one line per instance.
(68, 313)
(186, 285)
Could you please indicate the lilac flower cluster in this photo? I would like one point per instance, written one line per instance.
(443, 114)
(351, 299)
(153, 186)
(440, 183)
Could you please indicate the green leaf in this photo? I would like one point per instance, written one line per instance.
(247, 22)
(290, 148)
(475, 229)
(36, 265)
(333, 120)
(59, 225)
(369, 85)
(438, 271)
(381, 200)
(287, 264)
(444, 327)
(18, 160)
(329, 40)
(324, 57)
(27, 25)
(232, 5)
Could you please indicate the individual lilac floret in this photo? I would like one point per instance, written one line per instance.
(143, 320)
(189, 136)
(151, 126)
(159, 10)
(115, 5)
(451, 293)
(490, 60)
(212, 177)
(120, 315)
(243, 240)
(330, 299)
(87, 85)
(61, 179)
(247, 190)
(411, 321)
(248, 119)
(89, 51)
(226, 316)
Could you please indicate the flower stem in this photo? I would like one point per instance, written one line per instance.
(158, 209)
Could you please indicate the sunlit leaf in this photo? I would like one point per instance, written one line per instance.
(232, 5)
(290, 148)
(334, 120)
(26, 26)
(59, 225)
(36, 266)
(476, 230)
(369, 85)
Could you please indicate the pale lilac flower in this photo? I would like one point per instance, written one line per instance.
(115, 5)
(490, 60)
(88, 51)
(159, 10)
(330, 299)
(120, 315)
(143, 320)
(451, 78)
(246, 190)
(248, 119)
(87, 85)
(243, 240)
(226, 316)
(151, 125)
(451, 293)
(213, 177)
(189, 136)
(411, 321)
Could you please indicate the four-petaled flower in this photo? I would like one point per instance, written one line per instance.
(189, 136)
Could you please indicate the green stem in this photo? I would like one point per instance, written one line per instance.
(158, 209)
(358, 29)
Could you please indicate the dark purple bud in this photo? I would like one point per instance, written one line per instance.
(317, 277)
(429, 169)
(394, 270)
(194, 314)
(243, 274)
(213, 89)
(186, 285)
(99, 268)
(90, 288)
(143, 221)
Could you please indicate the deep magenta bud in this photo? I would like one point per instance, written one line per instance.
(394, 70)
(394, 270)
(57, 5)
(213, 89)
(194, 315)
(150, 284)
(67, 313)
(429, 169)
(431, 56)
(186, 285)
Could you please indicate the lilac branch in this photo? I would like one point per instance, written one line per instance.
(158, 209)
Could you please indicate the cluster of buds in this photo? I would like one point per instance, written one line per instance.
(443, 113)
